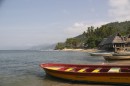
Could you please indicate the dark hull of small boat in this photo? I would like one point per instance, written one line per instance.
(116, 57)
(121, 54)
(100, 54)
(94, 73)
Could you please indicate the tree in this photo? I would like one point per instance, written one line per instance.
(128, 30)
(60, 46)
(72, 43)
(91, 42)
(93, 36)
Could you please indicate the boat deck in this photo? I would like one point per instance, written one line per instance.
(90, 69)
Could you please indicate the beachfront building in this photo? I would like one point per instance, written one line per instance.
(128, 42)
(116, 42)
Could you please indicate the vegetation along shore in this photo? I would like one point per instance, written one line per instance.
(92, 37)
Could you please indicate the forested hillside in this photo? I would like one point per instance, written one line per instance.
(93, 36)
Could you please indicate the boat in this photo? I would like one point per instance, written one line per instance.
(118, 74)
(116, 57)
(101, 54)
(121, 54)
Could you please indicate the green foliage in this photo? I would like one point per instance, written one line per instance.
(60, 46)
(93, 36)
(91, 42)
(128, 30)
(72, 43)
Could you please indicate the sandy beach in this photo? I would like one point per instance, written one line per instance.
(82, 50)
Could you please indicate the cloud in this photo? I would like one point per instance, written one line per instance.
(79, 27)
(119, 10)
(76, 28)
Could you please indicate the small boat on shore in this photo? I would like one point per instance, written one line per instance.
(121, 54)
(116, 57)
(119, 74)
(113, 56)
(101, 54)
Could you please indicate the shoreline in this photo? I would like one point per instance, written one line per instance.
(82, 50)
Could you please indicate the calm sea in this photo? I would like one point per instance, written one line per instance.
(21, 67)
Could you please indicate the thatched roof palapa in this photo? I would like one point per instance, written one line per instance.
(116, 38)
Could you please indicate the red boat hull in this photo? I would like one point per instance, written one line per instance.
(93, 73)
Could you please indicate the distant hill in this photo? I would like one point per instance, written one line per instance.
(43, 47)
(93, 36)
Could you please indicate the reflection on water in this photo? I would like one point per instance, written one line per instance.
(21, 68)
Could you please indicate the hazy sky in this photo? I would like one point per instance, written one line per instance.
(26, 23)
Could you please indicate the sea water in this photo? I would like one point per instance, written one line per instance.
(21, 67)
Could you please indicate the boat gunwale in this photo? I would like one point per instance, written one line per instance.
(95, 66)
(79, 65)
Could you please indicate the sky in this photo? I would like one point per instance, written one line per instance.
(27, 23)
